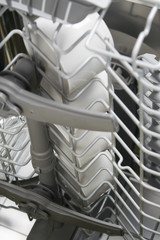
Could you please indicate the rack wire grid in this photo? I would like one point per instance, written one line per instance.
(112, 176)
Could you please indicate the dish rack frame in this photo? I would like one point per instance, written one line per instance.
(132, 199)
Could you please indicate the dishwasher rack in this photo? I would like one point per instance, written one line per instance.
(97, 65)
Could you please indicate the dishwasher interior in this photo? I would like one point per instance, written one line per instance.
(79, 117)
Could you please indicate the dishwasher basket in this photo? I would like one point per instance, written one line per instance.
(79, 125)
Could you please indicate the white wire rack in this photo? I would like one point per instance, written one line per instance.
(119, 171)
(68, 11)
(14, 149)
